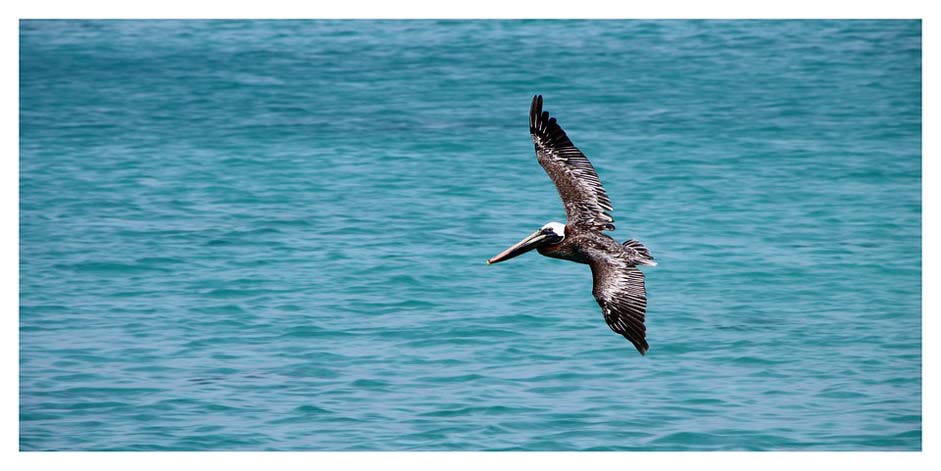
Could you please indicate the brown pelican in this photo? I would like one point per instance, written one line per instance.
(618, 284)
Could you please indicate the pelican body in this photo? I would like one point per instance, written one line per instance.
(618, 284)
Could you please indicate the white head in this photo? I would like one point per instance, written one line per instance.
(557, 228)
(550, 234)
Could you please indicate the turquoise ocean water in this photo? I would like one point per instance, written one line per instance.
(271, 235)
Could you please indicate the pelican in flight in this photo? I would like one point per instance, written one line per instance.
(618, 284)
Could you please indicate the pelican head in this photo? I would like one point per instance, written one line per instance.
(550, 234)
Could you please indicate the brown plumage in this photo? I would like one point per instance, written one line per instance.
(586, 202)
(618, 284)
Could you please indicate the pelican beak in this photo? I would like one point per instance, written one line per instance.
(530, 242)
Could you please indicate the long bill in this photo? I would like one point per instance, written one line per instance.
(530, 242)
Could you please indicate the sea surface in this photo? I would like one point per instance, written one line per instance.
(271, 235)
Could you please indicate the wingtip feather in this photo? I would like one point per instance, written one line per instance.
(534, 111)
(641, 346)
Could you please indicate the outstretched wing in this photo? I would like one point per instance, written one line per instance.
(619, 290)
(586, 202)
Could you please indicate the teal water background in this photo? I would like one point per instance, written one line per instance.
(271, 235)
